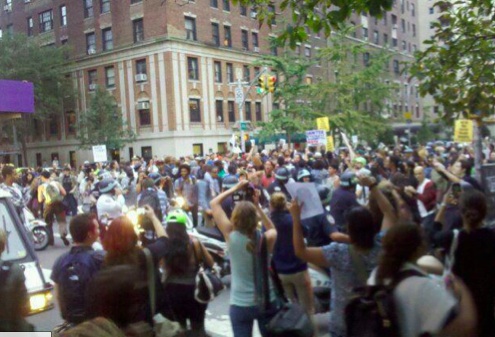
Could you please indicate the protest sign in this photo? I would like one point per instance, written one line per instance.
(330, 145)
(323, 123)
(308, 195)
(100, 153)
(463, 131)
(316, 137)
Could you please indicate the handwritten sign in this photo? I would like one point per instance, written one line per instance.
(463, 132)
(330, 146)
(323, 123)
(316, 137)
(100, 153)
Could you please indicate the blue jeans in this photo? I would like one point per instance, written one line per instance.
(242, 319)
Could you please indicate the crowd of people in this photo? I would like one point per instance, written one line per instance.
(386, 211)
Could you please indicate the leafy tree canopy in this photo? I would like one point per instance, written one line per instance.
(317, 15)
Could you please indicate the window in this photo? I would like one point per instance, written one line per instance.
(218, 71)
(226, 5)
(414, 47)
(247, 107)
(394, 42)
(396, 66)
(219, 110)
(404, 45)
(256, 71)
(104, 6)
(10, 30)
(230, 72)
(366, 59)
(8, 5)
(70, 122)
(227, 42)
(214, 3)
(365, 33)
(90, 43)
(92, 79)
(394, 20)
(30, 26)
(432, 10)
(138, 30)
(274, 50)
(192, 68)
(88, 8)
(257, 107)
(190, 28)
(307, 52)
(385, 39)
(144, 117)
(246, 74)
(231, 111)
(384, 19)
(46, 21)
(413, 10)
(110, 77)
(63, 15)
(244, 39)
(215, 33)
(271, 9)
(135, 2)
(403, 25)
(243, 10)
(376, 37)
(194, 110)
(141, 66)
(107, 39)
(414, 29)
(254, 36)
(53, 126)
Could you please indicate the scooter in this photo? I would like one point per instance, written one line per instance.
(37, 228)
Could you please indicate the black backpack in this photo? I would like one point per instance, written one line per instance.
(371, 311)
(76, 271)
(150, 197)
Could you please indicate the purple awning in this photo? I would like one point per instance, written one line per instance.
(16, 96)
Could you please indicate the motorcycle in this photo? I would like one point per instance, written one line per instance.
(37, 228)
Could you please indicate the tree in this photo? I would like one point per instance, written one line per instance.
(102, 123)
(293, 113)
(457, 67)
(25, 59)
(317, 15)
(357, 97)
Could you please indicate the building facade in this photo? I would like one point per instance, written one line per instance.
(172, 66)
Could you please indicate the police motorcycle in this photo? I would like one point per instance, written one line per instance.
(37, 228)
(20, 249)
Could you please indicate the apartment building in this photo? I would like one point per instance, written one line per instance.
(171, 65)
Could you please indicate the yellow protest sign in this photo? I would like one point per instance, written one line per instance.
(463, 132)
(330, 146)
(323, 123)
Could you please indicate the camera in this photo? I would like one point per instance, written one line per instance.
(246, 194)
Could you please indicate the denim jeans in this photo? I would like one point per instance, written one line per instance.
(242, 319)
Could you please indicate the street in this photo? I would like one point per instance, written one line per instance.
(217, 316)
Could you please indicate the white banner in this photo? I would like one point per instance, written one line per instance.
(316, 137)
(100, 153)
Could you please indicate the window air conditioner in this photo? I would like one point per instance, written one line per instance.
(27, 1)
(141, 77)
(254, 15)
(7, 8)
(256, 49)
(143, 105)
(91, 51)
(92, 87)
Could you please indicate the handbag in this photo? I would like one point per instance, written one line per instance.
(291, 320)
(162, 327)
(208, 284)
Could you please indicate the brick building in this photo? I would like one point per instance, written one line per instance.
(170, 65)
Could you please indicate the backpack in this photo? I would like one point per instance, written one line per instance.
(53, 192)
(76, 271)
(371, 311)
(150, 197)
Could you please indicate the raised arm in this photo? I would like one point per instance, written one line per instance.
(440, 168)
(157, 225)
(389, 213)
(311, 255)
(270, 230)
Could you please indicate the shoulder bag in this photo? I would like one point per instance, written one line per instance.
(208, 282)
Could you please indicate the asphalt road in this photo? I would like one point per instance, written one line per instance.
(217, 316)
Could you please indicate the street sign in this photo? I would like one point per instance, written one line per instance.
(239, 95)
(243, 126)
(407, 115)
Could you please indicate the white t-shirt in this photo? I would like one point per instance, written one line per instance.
(423, 304)
(108, 207)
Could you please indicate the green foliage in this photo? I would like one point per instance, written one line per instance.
(355, 86)
(425, 133)
(294, 113)
(317, 15)
(457, 67)
(102, 124)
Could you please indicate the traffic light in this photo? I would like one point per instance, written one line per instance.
(246, 137)
(271, 83)
(262, 83)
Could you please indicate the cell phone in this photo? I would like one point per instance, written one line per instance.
(456, 190)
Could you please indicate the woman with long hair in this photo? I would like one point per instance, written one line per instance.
(474, 256)
(182, 259)
(122, 248)
(242, 236)
(423, 307)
